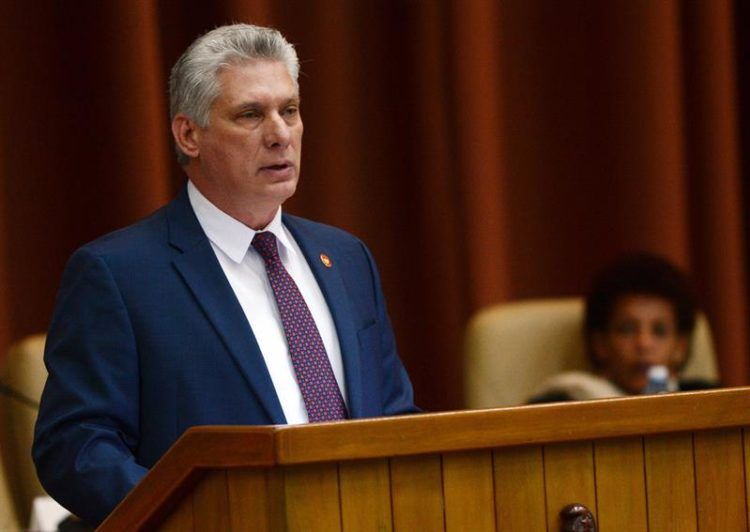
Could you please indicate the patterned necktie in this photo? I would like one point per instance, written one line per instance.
(319, 389)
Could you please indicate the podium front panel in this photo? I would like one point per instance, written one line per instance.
(661, 463)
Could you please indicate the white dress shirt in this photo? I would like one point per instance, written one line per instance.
(246, 272)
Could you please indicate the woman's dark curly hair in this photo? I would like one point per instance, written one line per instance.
(638, 274)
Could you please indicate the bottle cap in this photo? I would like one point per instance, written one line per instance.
(658, 373)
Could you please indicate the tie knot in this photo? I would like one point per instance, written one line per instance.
(265, 244)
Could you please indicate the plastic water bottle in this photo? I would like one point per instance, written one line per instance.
(658, 380)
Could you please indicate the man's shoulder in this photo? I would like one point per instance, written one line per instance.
(141, 237)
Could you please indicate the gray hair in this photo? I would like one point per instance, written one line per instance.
(193, 82)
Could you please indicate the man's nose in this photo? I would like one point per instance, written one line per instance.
(277, 132)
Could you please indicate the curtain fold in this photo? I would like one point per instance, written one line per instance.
(479, 142)
(485, 151)
(718, 214)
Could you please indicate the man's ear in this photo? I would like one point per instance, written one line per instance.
(186, 132)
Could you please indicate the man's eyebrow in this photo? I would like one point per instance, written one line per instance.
(253, 104)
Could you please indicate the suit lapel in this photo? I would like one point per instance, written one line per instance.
(332, 285)
(202, 272)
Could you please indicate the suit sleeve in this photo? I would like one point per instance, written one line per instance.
(87, 428)
(398, 395)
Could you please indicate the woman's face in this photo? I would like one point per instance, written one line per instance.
(642, 332)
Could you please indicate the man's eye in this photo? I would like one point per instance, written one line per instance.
(250, 114)
(291, 111)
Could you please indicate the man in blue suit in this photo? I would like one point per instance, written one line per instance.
(185, 319)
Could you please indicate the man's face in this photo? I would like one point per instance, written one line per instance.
(642, 332)
(249, 153)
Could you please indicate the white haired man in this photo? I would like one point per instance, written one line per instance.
(218, 308)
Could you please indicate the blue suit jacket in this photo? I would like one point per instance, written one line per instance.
(148, 339)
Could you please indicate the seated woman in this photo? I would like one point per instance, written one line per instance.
(639, 318)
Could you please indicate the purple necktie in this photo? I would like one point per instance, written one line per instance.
(319, 389)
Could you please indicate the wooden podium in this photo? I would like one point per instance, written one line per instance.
(670, 462)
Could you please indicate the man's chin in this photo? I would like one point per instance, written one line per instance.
(282, 190)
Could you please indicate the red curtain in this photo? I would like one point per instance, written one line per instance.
(486, 151)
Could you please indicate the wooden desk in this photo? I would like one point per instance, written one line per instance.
(660, 463)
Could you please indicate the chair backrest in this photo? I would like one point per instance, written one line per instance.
(8, 517)
(22, 378)
(511, 348)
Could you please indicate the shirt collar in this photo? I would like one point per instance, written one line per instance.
(229, 234)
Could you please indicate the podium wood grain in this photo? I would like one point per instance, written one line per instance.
(519, 489)
(366, 495)
(312, 498)
(256, 499)
(620, 485)
(671, 462)
(211, 503)
(670, 483)
(569, 478)
(469, 491)
(180, 519)
(720, 480)
(417, 493)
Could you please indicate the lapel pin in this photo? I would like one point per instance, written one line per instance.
(326, 260)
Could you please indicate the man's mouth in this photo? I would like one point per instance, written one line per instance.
(281, 165)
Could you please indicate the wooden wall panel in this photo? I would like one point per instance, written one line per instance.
(181, 519)
(211, 503)
(366, 495)
(519, 489)
(469, 492)
(620, 485)
(312, 495)
(256, 499)
(670, 483)
(569, 478)
(720, 480)
(417, 493)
